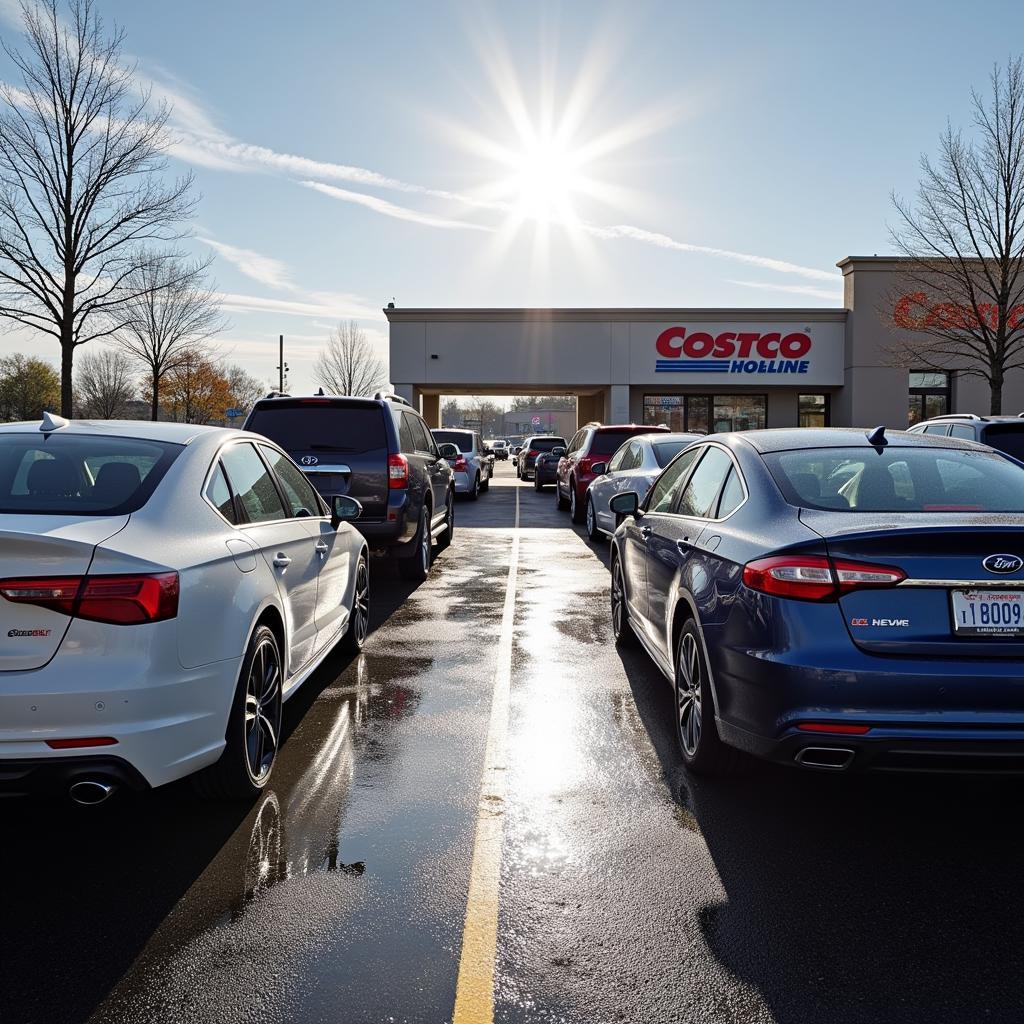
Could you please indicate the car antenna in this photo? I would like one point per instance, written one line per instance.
(877, 437)
(51, 422)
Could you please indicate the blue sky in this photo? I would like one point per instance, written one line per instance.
(682, 154)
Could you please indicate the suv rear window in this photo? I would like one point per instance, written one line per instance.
(80, 474)
(607, 442)
(1009, 439)
(545, 444)
(898, 480)
(319, 426)
(462, 439)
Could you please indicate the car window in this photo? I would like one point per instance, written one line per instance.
(253, 484)
(732, 495)
(705, 482)
(298, 491)
(666, 487)
(462, 439)
(666, 451)
(321, 424)
(577, 441)
(219, 494)
(607, 441)
(424, 442)
(1007, 438)
(936, 428)
(965, 433)
(617, 460)
(407, 433)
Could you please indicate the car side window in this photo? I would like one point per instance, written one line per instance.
(298, 491)
(619, 458)
(253, 484)
(701, 492)
(732, 495)
(666, 487)
(407, 433)
(219, 494)
(936, 428)
(576, 442)
(424, 440)
(962, 431)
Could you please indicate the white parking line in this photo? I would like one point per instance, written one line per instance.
(474, 997)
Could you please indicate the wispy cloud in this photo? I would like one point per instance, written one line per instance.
(834, 295)
(313, 304)
(265, 269)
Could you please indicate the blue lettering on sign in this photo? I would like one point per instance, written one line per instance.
(732, 366)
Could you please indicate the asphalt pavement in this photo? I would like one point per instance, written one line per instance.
(487, 806)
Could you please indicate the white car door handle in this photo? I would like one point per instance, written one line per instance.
(321, 547)
(281, 560)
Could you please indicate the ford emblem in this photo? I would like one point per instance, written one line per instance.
(312, 460)
(1003, 563)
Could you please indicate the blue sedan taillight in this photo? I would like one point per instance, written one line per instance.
(815, 577)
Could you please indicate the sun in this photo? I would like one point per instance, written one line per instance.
(545, 179)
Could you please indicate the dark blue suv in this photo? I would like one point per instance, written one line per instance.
(832, 599)
(1006, 433)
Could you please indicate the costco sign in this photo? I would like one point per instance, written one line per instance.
(747, 353)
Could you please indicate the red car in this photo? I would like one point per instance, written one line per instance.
(592, 443)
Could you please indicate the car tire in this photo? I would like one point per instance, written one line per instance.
(359, 618)
(561, 504)
(701, 747)
(594, 535)
(537, 485)
(475, 492)
(245, 765)
(445, 540)
(416, 567)
(486, 485)
(622, 628)
(576, 513)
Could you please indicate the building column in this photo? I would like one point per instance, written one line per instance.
(589, 408)
(432, 410)
(410, 393)
(618, 404)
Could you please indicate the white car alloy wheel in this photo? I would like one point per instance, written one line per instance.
(359, 619)
(263, 710)
(689, 694)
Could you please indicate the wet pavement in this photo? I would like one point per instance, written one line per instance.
(626, 890)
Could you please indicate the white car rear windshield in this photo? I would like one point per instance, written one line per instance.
(898, 480)
(79, 474)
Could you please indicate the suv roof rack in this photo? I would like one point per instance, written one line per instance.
(388, 397)
(960, 416)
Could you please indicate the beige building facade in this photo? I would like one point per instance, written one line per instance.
(696, 369)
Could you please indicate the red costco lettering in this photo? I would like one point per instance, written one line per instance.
(674, 342)
(666, 343)
(765, 345)
(913, 312)
(699, 345)
(724, 345)
(794, 346)
(746, 340)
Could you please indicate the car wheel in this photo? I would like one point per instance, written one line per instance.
(702, 749)
(416, 566)
(446, 538)
(593, 533)
(560, 503)
(575, 512)
(475, 492)
(486, 485)
(359, 618)
(254, 725)
(622, 630)
(537, 485)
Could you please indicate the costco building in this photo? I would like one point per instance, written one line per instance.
(697, 369)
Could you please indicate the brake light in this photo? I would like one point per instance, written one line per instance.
(835, 727)
(85, 741)
(398, 471)
(532, 454)
(460, 464)
(816, 578)
(122, 600)
(585, 463)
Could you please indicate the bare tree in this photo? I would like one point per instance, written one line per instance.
(169, 312)
(104, 384)
(349, 366)
(245, 389)
(964, 239)
(81, 186)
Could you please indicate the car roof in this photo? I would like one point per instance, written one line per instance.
(963, 418)
(789, 438)
(146, 430)
(660, 437)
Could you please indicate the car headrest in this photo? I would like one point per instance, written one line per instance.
(52, 478)
(116, 481)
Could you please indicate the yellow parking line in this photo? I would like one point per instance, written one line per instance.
(474, 996)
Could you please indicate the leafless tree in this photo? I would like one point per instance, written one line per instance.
(169, 312)
(963, 235)
(245, 389)
(104, 384)
(82, 192)
(349, 366)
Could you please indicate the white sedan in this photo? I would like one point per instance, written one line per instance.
(165, 588)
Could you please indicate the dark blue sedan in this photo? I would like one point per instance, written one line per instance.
(833, 599)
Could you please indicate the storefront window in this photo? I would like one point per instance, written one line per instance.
(693, 412)
(814, 411)
(929, 395)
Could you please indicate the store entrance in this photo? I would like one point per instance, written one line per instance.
(706, 414)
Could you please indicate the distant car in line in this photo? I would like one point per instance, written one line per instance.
(545, 467)
(1004, 433)
(165, 588)
(380, 452)
(832, 599)
(634, 467)
(500, 449)
(532, 447)
(593, 443)
(473, 469)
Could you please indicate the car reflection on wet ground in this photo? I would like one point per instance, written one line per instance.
(628, 890)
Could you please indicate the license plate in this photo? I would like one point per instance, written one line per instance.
(988, 612)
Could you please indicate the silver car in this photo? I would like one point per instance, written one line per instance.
(634, 467)
(473, 468)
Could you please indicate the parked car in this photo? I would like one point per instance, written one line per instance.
(832, 599)
(1005, 433)
(473, 468)
(165, 588)
(500, 449)
(545, 467)
(634, 467)
(379, 451)
(532, 447)
(591, 443)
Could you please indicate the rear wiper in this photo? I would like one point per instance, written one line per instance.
(330, 448)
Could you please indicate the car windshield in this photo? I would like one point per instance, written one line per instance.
(897, 479)
(319, 425)
(1009, 439)
(545, 444)
(462, 439)
(666, 451)
(79, 474)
